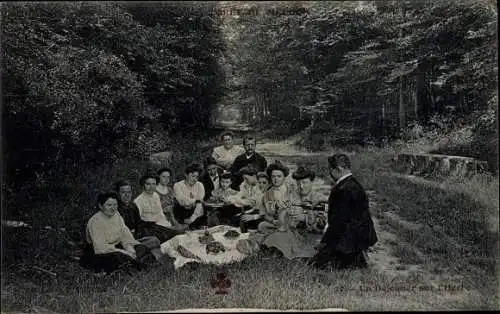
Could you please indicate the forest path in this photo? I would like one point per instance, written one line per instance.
(382, 256)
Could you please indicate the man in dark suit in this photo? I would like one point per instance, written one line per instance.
(245, 159)
(211, 177)
(350, 231)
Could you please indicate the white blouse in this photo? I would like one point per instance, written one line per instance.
(225, 157)
(247, 193)
(188, 195)
(104, 233)
(150, 209)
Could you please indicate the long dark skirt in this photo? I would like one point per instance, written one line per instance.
(110, 262)
(337, 259)
(181, 214)
(151, 229)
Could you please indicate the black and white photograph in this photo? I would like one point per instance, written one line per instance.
(249, 156)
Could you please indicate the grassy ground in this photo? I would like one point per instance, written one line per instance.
(256, 283)
(444, 232)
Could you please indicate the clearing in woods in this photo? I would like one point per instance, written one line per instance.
(414, 265)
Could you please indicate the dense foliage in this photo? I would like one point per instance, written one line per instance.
(90, 82)
(365, 69)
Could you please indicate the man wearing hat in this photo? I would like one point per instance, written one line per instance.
(245, 159)
(211, 176)
(350, 230)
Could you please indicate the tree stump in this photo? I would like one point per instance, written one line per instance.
(438, 165)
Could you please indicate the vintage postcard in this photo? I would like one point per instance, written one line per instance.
(245, 156)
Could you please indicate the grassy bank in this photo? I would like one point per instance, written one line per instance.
(443, 229)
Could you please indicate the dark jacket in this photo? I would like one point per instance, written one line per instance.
(130, 214)
(241, 161)
(208, 183)
(140, 228)
(350, 226)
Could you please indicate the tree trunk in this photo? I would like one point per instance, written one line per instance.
(415, 99)
(402, 109)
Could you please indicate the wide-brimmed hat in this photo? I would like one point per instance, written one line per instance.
(277, 165)
(303, 173)
(249, 169)
(226, 175)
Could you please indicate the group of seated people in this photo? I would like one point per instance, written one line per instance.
(236, 187)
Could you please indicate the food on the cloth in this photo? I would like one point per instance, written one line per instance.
(206, 238)
(186, 253)
(231, 234)
(215, 247)
(247, 246)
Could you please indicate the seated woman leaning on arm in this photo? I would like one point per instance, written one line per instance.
(189, 194)
(110, 243)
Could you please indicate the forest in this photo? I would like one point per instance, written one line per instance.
(91, 89)
(86, 81)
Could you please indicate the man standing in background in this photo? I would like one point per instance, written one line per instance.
(245, 159)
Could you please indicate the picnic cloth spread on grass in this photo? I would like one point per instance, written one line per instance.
(192, 246)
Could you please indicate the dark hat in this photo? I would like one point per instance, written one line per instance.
(303, 173)
(226, 175)
(209, 161)
(249, 169)
(277, 165)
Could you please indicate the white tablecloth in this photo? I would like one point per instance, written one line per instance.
(191, 242)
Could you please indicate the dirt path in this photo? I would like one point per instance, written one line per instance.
(381, 256)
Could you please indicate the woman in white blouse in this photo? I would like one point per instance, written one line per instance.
(225, 154)
(149, 203)
(151, 211)
(189, 194)
(111, 245)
